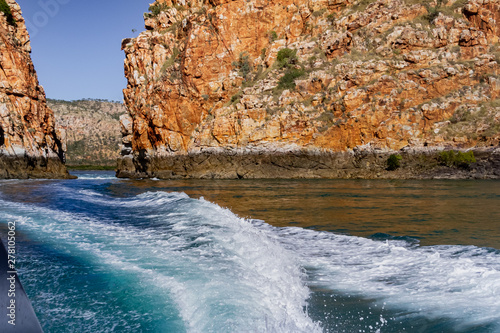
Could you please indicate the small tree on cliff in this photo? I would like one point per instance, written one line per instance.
(457, 159)
(394, 162)
(286, 58)
(4, 8)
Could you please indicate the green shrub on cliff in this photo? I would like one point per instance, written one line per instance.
(156, 9)
(457, 159)
(171, 60)
(394, 162)
(272, 35)
(287, 81)
(286, 58)
(4, 8)
(243, 64)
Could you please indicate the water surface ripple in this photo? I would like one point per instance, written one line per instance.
(105, 255)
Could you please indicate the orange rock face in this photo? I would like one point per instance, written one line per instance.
(30, 145)
(392, 74)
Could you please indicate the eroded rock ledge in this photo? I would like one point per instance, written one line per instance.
(14, 167)
(359, 164)
(30, 144)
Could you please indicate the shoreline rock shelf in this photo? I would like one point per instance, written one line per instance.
(359, 164)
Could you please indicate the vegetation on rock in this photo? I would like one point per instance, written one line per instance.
(4, 8)
(287, 81)
(243, 64)
(457, 159)
(286, 58)
(155, 9)
(394, 162)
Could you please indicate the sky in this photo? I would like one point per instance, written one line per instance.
(76, 44)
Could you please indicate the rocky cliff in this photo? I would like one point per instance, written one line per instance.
(92, 130)
(30, 145)
(311, 88)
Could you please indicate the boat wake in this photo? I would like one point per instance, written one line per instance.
(189, 265)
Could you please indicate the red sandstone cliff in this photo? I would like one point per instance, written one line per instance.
(30, 145)
(352, 75)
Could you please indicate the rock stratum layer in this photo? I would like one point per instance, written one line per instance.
(30, 144)
(91, 130)
(311, 88)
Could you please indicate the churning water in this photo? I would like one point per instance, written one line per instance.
(105, 255)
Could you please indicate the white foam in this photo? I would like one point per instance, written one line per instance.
(456, 282)
(90, 193)
(95, 178)
(222, 272)
(151, 199)
(229, 274)
(97, 175)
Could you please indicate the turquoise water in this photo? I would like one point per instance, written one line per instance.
(105, 255)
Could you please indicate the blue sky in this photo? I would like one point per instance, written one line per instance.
(76, 44)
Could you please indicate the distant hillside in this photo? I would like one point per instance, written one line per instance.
(92, 130)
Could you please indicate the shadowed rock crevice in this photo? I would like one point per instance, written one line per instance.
(2, 137)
